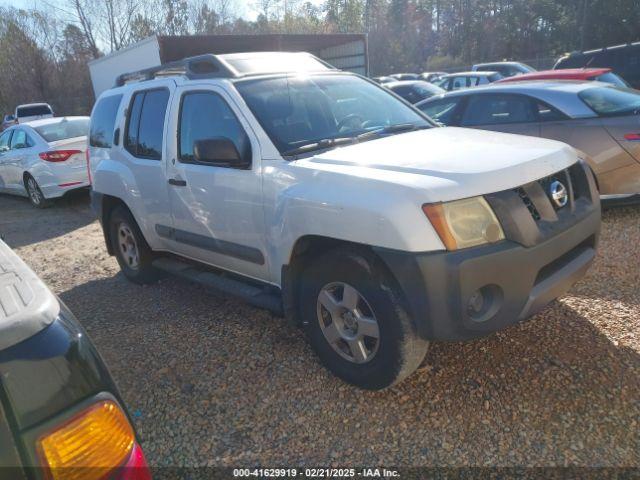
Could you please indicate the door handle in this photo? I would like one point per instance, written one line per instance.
(177, 183)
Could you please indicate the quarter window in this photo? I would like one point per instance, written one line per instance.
(103, 120)
(205, 115)
(145, 126)
(4, 140)
(20, 140)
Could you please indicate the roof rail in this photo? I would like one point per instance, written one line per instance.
(200, 66)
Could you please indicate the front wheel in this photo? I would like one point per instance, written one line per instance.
(134, 255)
(356, 321)
(36, 197)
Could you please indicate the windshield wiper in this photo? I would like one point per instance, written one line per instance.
(391, 129)
(319, 145)
(334, 142)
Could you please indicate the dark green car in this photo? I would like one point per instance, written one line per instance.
(61, 415)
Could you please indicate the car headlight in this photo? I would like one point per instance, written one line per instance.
(464, 223)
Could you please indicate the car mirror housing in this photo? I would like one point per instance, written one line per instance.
(220, 151)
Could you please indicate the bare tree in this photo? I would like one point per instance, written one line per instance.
(84, 12)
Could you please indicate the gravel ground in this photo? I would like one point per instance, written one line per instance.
(212, 381)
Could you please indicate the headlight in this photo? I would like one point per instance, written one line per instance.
(464, 223)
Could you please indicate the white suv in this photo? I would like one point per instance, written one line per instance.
(326, 198)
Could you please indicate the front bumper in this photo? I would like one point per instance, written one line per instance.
(476, 291)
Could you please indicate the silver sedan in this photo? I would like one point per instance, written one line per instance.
(599, 119)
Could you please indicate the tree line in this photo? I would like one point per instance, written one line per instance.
(45, 50)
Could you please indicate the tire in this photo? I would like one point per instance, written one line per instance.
(36, 197)
(357, 356)
(134, 255)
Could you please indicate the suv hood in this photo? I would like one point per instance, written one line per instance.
(449, 163)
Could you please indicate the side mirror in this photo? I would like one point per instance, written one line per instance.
(220, 151)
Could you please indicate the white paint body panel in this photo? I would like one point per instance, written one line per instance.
(370, 193)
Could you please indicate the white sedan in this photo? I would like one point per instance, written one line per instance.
(44, 159)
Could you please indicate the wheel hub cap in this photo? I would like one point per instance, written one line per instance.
(128, 246)
(348, 322)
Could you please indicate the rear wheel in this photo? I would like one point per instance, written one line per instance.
(134, 255)
(356, 321)
(36, 197)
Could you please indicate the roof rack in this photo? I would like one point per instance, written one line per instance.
(200, 66)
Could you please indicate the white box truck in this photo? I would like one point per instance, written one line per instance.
(344, 51)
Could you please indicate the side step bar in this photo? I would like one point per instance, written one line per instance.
(257, 296)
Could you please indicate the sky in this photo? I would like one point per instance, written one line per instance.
(245, 6)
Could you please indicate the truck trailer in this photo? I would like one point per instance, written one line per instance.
(343, 51)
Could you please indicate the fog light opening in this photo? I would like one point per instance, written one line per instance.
(476, 303)
(484, 303)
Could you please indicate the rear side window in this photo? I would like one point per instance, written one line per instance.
(497, 109)
(612, 101)
(64, 129)
(103, 120)
(205, 115)
(145, 126)
(34, 110)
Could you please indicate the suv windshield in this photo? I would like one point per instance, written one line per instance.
(34, 110)
(316, 110)
(63, 129)
(612, 101)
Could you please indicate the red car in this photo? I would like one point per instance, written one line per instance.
(597, 74)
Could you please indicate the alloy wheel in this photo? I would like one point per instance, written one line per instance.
(34, 192)
(348, 322)
(128, 246)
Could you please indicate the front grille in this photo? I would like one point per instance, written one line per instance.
(536, 196)
(529, 215)
(528, 203)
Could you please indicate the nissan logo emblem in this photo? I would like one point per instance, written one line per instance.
(558, 193)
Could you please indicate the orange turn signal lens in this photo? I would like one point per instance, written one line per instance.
(89, 445)
(435, 214)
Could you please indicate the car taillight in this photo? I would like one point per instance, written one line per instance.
(58, 155)
(86, 154)
(634, 137)
(96, 443)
